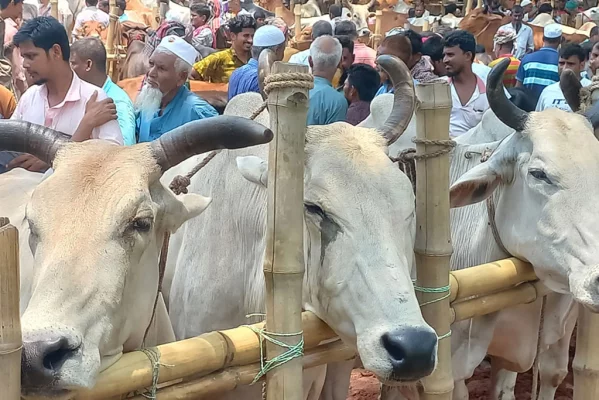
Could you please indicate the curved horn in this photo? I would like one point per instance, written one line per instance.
(222, 132)
(265, 61)
(404, 99)
(571, 86)
(26, 137)
(504, 109)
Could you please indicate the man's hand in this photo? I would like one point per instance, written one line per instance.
(97, 113)
(28, 162)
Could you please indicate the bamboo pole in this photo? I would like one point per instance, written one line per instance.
(479, 4)
(433, 241)
(110, 40)
(279, 12)
(297, 11)
(426, 26)
(10, 320)
(377, 29)
(54, 10)
(586, 360)
(578, 21)
(468, 7)
(197, 356)
(231, 378)
(284, 260)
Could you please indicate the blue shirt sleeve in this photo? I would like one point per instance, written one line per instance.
(202, 109)
(233, 83)
(126, 120)
(339, 111)
(520, 73)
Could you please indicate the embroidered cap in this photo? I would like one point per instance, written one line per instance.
(179, 47)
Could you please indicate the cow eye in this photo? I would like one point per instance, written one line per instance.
(540, 175)
(312, 208)
(141, 225)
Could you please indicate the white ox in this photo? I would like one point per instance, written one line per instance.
(95, 228)
(359, 236)
(359, 12)
(545, 214)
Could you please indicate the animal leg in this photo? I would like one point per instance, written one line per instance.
(336, 384)
(313, 381)
(460, 390)
(503, 382)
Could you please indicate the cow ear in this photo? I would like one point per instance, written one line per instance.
(187, 207)
(254, 169)
(474, 186)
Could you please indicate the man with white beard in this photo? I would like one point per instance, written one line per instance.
(164, 102)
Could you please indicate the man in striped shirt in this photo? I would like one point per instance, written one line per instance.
(504, 45)
(539, 69)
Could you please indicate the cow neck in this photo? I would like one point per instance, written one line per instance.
(490, 202)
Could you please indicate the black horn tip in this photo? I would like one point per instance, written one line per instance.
(570, 86)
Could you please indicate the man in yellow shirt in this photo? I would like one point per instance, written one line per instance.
(218, 67)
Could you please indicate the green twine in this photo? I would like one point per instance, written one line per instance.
(441, 289)
(293, 351)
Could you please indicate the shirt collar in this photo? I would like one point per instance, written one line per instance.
(73, 94)
(480, 84)
(253, 62)
(322, 81)
(106, 84)
(10, 22)
(548, 49)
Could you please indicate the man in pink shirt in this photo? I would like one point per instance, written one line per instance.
(11, 10)
(362, 53)
(59, 99)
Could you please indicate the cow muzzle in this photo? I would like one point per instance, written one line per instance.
(412, 352)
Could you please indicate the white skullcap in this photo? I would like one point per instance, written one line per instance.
(524, 3)
(179, 47)
(267, 36)
(552, 31)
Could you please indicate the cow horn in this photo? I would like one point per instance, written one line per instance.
(222, 132)
(504, 109)
(25, 137)
(570, 85)
(265, 61)
(404, 99)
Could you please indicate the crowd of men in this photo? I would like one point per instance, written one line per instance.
(69, 83)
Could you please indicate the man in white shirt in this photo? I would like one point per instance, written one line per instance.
(468, 91)
(524, 37)
(320, 28)
(526, 9)
(90, 13)
(571, 57)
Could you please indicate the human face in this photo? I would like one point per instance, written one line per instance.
(456, 60)
(37, 63)
(594, 59)
(419, 10)
(13, 11)
(349, 91)
(104, 6)
(80, 67)
(439, 68)
(517, 17)
(347, 59)
(259, 22)
(571, 63)
(243, 40)
(197, 20)
(162, 74)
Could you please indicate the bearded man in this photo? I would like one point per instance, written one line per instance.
(164, 102)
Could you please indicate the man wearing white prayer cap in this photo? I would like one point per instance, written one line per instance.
(164, 102)
(245, 79)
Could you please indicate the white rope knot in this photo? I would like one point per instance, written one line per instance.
(282, 80)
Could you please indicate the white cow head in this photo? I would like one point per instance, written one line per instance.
(359, 238)
(359, 12)
(547, 173)
(96, 229)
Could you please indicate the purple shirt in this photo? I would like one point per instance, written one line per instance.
(357, 112)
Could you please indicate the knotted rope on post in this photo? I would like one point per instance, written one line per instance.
(586, 95)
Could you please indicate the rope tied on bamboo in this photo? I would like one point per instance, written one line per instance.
(276, 81)
(586, 95)
(291, 352)
(153, 355)
(442, 289)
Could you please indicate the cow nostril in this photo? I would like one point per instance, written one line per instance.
(411, 352)
(54, 360)
(394, 347)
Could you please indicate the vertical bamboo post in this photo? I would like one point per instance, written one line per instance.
(426, 26)
(479, 4)
(586, 360)
(279, 12)
(284, 261)
(468, 7)
(10, 320)
(433, 241)
(156, 15)
(377, 29)
(297, 11)
(565, 19)
(578, 21)
(111, 49)
(54, 9)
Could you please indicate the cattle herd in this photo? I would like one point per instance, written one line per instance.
(91, 231)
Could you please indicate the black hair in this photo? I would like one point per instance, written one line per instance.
(201, 9)
(587, 47)
(523, 98)
(594, 31)
(321, 28)
(91, 48)
(335, 10)
(572, 49)
(5, 3)
(412, 12)
(44, 32)
(91, 3)
(365, 79)
(241, 22)
(346, 43)
(415, 40)
(259, 14)
(347, 28)
(517, 8)
(122, 4)
(462, 39)
(451, 8)
(433, 48)
(480, 49)
(556, 40)
(545, 8)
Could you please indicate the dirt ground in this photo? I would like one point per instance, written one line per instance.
(364, 386)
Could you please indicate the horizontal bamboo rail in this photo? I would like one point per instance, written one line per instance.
(475, 291)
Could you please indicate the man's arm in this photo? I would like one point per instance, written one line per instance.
(203, 69)
(97, 113)
(530, 43)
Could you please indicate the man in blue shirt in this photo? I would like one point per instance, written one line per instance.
(539, 69)
(326, 104)
(88, 61)
(164, 103)
(245, 79)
